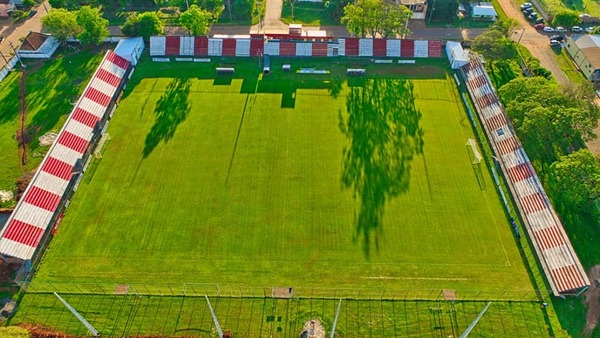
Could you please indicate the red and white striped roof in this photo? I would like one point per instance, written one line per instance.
(559, 260)
(34, 212)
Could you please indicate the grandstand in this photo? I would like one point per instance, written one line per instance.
(550, 241)
(46, 197)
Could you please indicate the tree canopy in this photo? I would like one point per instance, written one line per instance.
(494, 46)
(566, 19)
(145, 25)
(93, 26)
(376, 17)
(575, 178)
(62, 24)
(196, 20)
(551, 122)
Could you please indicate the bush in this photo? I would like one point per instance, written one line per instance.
(18, 14)
(28, 3)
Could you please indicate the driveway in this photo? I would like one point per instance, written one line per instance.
(13, 32)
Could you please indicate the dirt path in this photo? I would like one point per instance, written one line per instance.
(591, 299)
(536, 42)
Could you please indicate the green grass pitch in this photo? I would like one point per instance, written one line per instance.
(287, 180)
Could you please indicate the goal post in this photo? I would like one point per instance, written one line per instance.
(474, 153)
(476, 158)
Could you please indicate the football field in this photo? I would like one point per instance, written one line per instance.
(303, 181)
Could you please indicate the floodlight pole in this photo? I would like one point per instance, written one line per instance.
(218, 327)
(337, 313)
(470, 328)
(76, 314)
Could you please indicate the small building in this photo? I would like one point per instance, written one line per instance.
(483, 11)
(457, 56)
(130, 49)
(584, 49)
(418, 7)
(38, 46)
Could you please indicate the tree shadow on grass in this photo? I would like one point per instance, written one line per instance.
(171, 110)
(382, 127)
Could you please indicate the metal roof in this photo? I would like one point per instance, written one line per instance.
(589, 45)
(483, 11)
(36, 210)
(551, 243)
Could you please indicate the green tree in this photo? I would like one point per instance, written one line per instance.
(335, 8)
(145, 25)
(393, 21)
(375, 17)
(494, 46)
(575, 178)
(93, 26)
(216, 7)
(61, 23)
(354, 19)
(506, 26)
(550, 121)
(196, 20)
(566, 19)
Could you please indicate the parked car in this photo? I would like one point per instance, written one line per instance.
(589, 29)
(32, 12)
(576, 29)
(539, 20)
(560, 29)
(584, 15)
(548, 29)
(528, 11)
(554, 43)
(533, 16)
(526, 5)
(560, 38)
(539, 26)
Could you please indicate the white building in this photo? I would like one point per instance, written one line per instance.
(483, 11)
(38, 46)
(584, 49)
(457, 56)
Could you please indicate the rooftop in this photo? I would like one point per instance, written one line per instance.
(589, 45)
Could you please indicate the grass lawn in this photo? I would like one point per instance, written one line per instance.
(307, 13)
(335, 186)
(51, 86)
(249, 182)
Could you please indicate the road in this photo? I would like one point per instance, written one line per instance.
(13, 32)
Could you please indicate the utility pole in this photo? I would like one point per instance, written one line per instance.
(16, 54)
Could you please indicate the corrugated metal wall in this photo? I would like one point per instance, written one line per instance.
(257, 45)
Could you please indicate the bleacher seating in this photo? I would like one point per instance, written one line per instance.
(551, 243)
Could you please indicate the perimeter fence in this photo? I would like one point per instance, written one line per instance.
(117, 310)
(245, 291)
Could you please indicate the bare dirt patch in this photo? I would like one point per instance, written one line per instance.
(592, 301)
(6, 196)
(47, 139)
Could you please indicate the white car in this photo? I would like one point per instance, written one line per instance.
(560, 29)
(584, 15)
(576, 29)
(526, 5)
(589, 29)
(548, 29)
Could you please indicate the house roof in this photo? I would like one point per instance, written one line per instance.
(589, 45)
(34, 40)
(483, 11)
